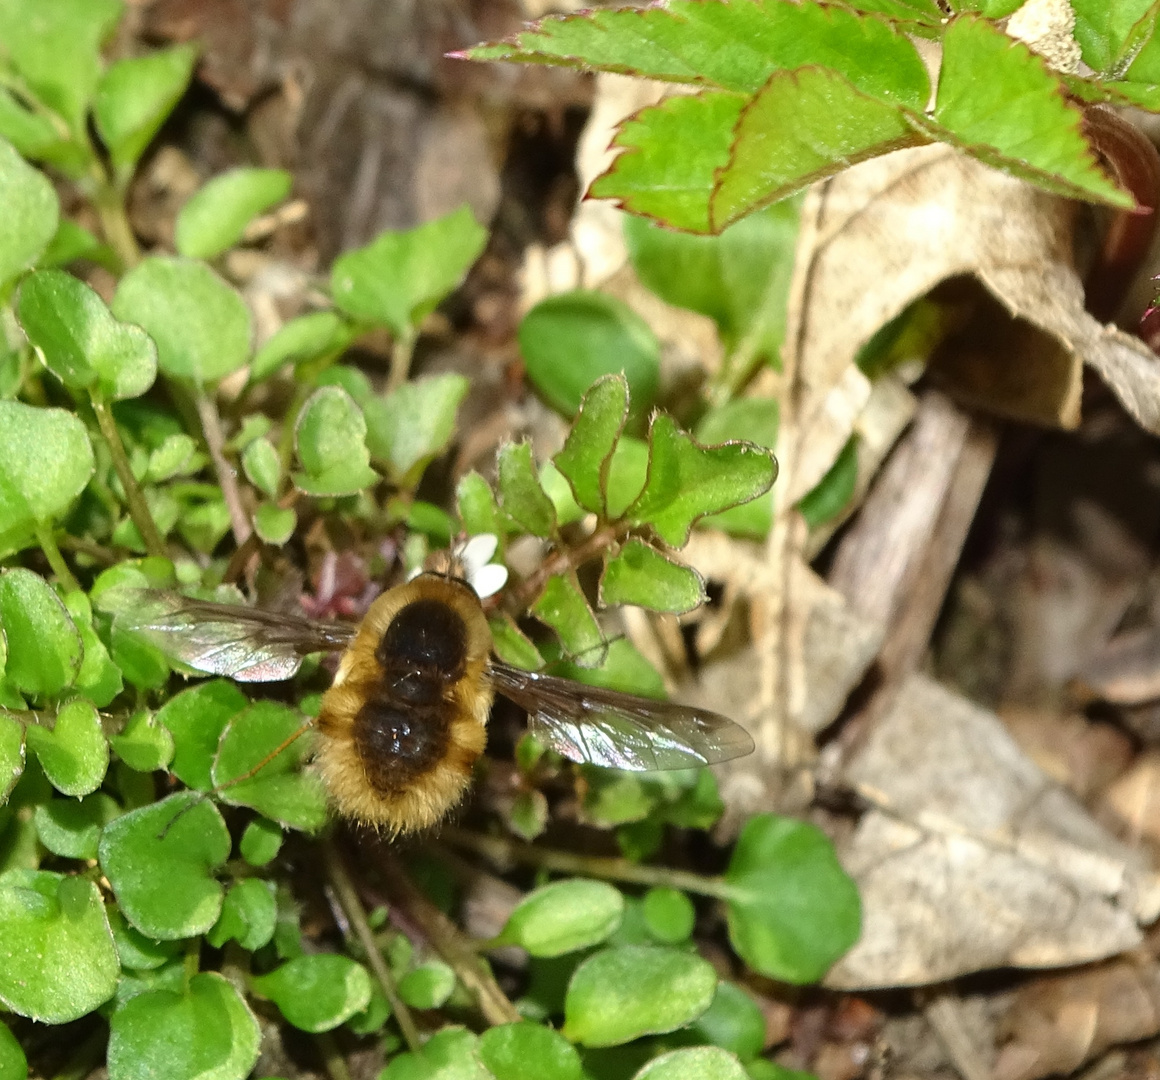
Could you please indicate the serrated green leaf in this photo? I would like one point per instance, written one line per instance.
(57, 960)
(160, 861)
(261, 841)
(44, 646)
(526, 1051)
(249, 914)
(11, 755)
(145, 744)
(564, 917)
(75, 753)
(586, 457)
(414, 423)
(831, 495)
(694, 1063)
(196, 718)
(317, 336)
(135, 96)
(513, 646)
(754, 420)
(478, 511)
(571, 340)
(279, 789)
(1017, 119)
(562, 607)
(615, 665)
(399, 277)
(793, 910)
(206, 1032)
(317, 992)
(639, 574)
(30, 206)
(80, 341)
(215, 217)
(1103, 28)
(71, 829)
(330, 438)
(686, 481)
(427, 986)
(520, 495)
(13, 1064)
(628, 991)
(200, 324)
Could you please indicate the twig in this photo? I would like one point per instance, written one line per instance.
(211, 425)
(517, 599)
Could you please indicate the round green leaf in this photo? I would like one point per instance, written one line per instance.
(30, 214)
(261, 841)
(526, 1051)
(279, 789)
(160, 860)
(450, 1054)
(632, 990)
(200, 324)
(564, 916)
(13, 1064)
(262, 466)
(71, 829)
(695, 1063)
(317, 992)
(249, 915)
(80, 341)
(206, 1033)
(145, 744)
(734, 1022)
(313, 336)
(427, 986)
(135, 950)
(46, 460)
(570, 340)
(75, 753)
(57, 960)
(793, 910)
(274, 524)
(216, 216)
(44, 647)
(196, 719)
(331, 441)
(669, 915)
(639, 574)
(11, 755)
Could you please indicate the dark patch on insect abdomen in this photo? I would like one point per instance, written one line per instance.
(399, 741)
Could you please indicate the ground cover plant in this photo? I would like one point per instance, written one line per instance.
(175, 896)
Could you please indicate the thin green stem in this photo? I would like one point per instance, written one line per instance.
(109, 202)
(332, 1057)
(211, 425)
(134, 496)
(499, 849)
(356, 915)
(402, 350)
(60, 568)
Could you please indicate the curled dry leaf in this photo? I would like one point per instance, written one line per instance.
(973, 859)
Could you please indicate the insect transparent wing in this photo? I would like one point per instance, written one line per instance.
(245, 643)
(620, 731)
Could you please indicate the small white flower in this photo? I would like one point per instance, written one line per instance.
(484, 576)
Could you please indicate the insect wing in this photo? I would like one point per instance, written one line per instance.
(619, 731)
(247, 644)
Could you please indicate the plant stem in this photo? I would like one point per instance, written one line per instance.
(517, 599)
(500, 850)
(109, 203)
(134, 496)
(211, 425)
(402, 349)
(356, 915)
(60, 568)
(332, 1057)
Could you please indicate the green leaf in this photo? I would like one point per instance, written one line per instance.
(11, 755)
(261, 841)
(35, 136)
(801, 127)
(248, 916)
(262, 466)
(521, 496)
(832, 494)
(145, 744)
(525, 1051)
(694, 1063)
(200, 324)
(274, 524)
(56, 47)
(570, 340)
(1016, 119)
(57, 960)
(13, 1064)
(756, 421)
(80, 341)
(586, 457)
(30, 205)
(160, 860)
(196, 719)
(626, 475)
(616, 665)
(44, 647)
(563, 917)
(414, 423)
(46, 460)
(135, 951)
(71, 242)
(134, 98)
(400, 277)
(317, 336)
(686, 481)
(317, 992)
(622, 993)
(330, 438)
(639, 574)
(279, 789)
(739, 278)
(1103, 28)
(216, 216)
(75, 753)
(733, 1022)
(427, 986)
(562, 607)
(452, 1053)
(564, 504)
(669, 915)
(69, 828)
(206, 1032)
(513, 646)
(478, 512)
(793, 910)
